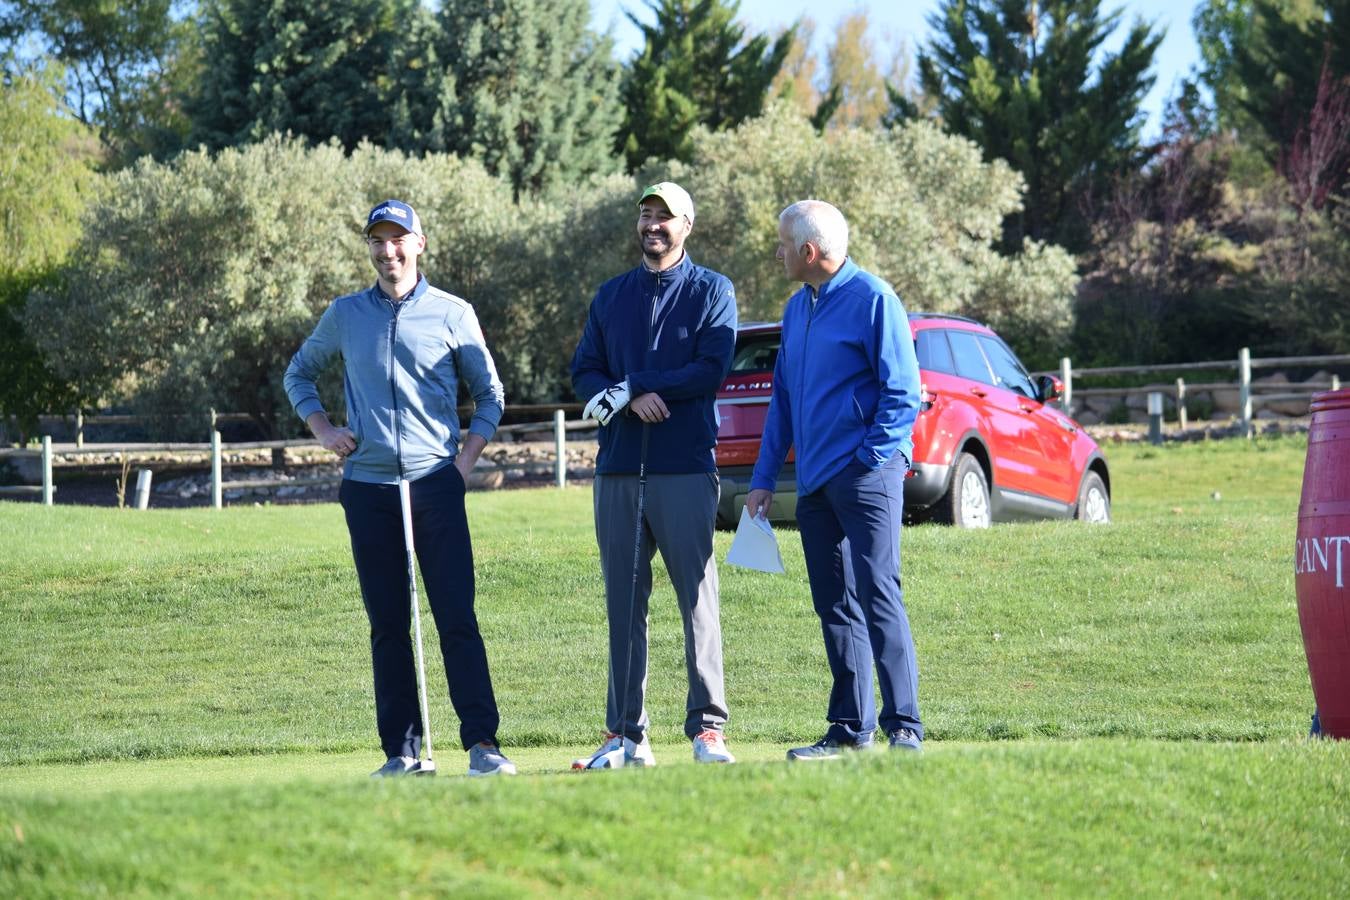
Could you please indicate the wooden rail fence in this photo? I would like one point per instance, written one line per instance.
(216, 448)
(1249, 394)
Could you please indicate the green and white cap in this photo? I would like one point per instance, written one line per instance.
(676, 198)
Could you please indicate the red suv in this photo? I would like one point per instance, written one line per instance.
(988, 447)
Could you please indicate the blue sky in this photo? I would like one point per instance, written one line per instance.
(906, 21)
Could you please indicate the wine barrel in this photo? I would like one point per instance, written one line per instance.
(1322, 560)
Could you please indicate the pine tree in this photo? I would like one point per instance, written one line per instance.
(697, 67)
(1295, 77)
(1017, 77)
(529, 90)
(318, 69)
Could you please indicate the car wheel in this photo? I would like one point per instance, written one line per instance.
(1094, 503)
(966, 503)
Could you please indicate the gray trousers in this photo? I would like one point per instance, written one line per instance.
(679, 511)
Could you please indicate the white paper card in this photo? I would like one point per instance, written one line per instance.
(755, 546)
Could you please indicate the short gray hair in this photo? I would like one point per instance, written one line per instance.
(819, 223)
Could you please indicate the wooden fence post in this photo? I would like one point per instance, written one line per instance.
(560, 446)
(1245, 389)
(1181, 403)
(47, 486)
(79, 428)
(1066, 376)
(215, 465)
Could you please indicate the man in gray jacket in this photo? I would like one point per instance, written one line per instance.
(405, 347)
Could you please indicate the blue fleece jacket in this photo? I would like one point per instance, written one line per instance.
(672, 333)
(402, 365)
(846, 383)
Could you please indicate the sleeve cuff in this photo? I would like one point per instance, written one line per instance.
(306, 408)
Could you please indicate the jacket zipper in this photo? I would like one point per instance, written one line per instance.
(801, 369)
(393, 387)
(651, 320)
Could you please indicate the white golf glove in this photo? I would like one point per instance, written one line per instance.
(607, 403)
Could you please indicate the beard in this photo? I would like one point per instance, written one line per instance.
(656, 245)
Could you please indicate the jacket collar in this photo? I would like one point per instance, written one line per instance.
(837, 281)
(418, 290)
(675, 273)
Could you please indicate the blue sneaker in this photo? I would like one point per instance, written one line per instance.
(826, 748)
(486, 758)
(403, 765)
(906, 739)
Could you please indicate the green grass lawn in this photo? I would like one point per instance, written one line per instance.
(1109, 710)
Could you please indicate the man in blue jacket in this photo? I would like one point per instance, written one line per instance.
(657, 344)
(405, 347)
(845, 395)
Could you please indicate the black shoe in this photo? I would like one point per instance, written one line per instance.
(906, 739)
(825, 748)
(401, 765)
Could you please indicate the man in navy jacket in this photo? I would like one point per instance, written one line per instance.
(845, 395)
(657, 344)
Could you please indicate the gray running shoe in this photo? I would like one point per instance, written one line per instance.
(711, 747)
(486, 758)
(402, 765)
(825, 748)
(906, 739)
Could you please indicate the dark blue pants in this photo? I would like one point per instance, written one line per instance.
(445, 557)
(850, 531)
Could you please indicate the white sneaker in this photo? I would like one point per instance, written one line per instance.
(709, 747)
(639, 754)
(615, 753)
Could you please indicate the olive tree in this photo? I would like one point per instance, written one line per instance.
(197, 279)
(925, 212)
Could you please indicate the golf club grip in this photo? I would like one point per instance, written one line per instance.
(405, 507)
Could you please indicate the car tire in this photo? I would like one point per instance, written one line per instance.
(1094, 503)
(966, 503)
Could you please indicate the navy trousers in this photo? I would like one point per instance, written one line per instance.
(445, 557)
(850, 530)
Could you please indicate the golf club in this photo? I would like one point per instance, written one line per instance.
(632, 599)
(405, 502)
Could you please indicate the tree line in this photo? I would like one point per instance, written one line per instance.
(185, 180)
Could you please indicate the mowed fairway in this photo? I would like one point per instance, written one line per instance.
(187, 709)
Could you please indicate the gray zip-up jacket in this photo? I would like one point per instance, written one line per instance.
(402, 365)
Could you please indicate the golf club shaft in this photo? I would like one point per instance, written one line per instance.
(632, 593)
(405, 503)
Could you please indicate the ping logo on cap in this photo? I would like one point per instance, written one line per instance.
(395, 211)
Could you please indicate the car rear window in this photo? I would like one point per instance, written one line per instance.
(756, 353)
(934, 353)
(970, 362)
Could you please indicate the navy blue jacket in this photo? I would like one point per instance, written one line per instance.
(670, 332)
